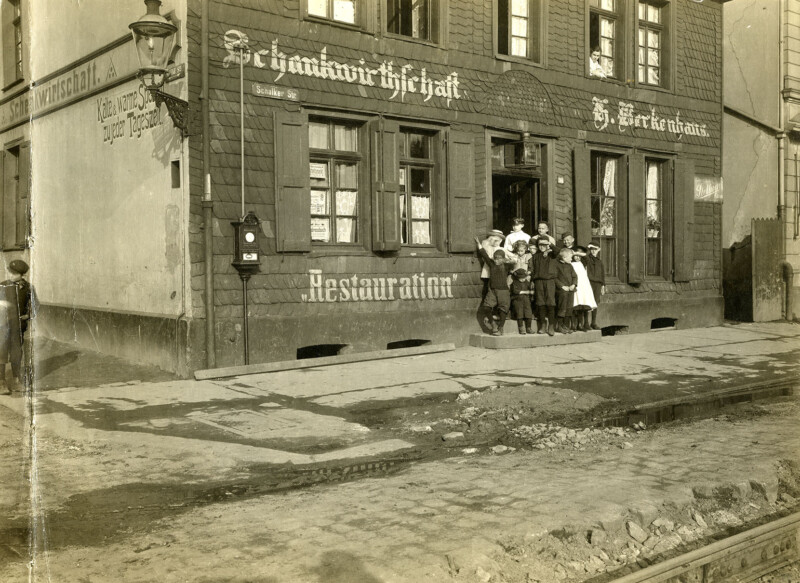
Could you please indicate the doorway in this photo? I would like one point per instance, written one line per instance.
(515, 195)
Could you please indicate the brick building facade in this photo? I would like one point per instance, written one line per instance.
(381, 138)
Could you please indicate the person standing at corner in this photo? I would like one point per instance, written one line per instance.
(17, 296)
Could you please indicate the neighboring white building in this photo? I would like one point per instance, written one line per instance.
(761, 159)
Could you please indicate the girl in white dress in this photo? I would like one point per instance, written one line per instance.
(584, 298)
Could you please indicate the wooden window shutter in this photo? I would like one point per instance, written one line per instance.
(581, 159)
(636, 246)
(385, 159)
(9, 200)
(9, 43)
(23, 196)
(460, 193)
(292, 182)
(683, 220)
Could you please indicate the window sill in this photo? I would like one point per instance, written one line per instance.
(646, 87)
(612, 80)
(411, 39)
(13, 83)
(519, 60)
(337, 23)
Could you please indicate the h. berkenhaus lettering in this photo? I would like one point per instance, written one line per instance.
(355, 288)
(400, 79)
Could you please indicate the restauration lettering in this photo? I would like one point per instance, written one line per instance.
(356, 288)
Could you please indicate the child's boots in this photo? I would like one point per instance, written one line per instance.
(528, 328)
(541, 320)
(594, 320)
(521, 326)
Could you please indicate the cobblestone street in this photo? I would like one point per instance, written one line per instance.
(521, 516)
(432, 468)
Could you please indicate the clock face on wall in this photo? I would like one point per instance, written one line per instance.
(249, 237)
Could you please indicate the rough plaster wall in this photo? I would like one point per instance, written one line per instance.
(751, 64)
(750, 171)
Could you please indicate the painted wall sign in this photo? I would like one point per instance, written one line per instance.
(356, 288)
(399, 79)
(71, 85)
(275, 92)
(628, 117)
(708, 188)
(127, 115)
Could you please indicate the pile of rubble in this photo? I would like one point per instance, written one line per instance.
(549, 435)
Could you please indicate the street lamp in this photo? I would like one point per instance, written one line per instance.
(154, 37)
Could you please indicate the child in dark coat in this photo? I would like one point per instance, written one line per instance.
(566, 282)
(498, 298)
(17, 299)
(521, 301)
(597, 278)
(544, 288)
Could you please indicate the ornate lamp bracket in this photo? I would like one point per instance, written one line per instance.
(178, 109)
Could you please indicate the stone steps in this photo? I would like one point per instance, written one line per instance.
(512, 339)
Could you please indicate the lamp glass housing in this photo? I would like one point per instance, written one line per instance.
(154, 37)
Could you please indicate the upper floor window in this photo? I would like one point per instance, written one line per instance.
(518, 33)
(604, 32)
(12, 41)
(651, 37)
(334, 170)
(604, 177)
(16, 202)
(417, 19)
(338, 10)
(417, 172)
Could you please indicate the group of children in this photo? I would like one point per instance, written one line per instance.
(562, 283)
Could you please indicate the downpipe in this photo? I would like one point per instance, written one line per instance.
(787, 272)
(208, 203)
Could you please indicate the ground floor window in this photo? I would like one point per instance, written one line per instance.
(334, 181)
(372, 183)
(604, 178)
(654, 216)
(417, 168)
(639, 209)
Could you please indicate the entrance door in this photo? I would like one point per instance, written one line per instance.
(515, 196)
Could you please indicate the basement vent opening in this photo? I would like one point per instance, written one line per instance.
(410, 343)
(320, 350)
(614, 330)
(661, 323)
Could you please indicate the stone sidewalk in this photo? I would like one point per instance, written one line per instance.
(305, 416)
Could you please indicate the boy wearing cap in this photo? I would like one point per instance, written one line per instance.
(521, 300)
(544, 288)
(17, 298)
(497, 298)
(566, 282)
(597, 278)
